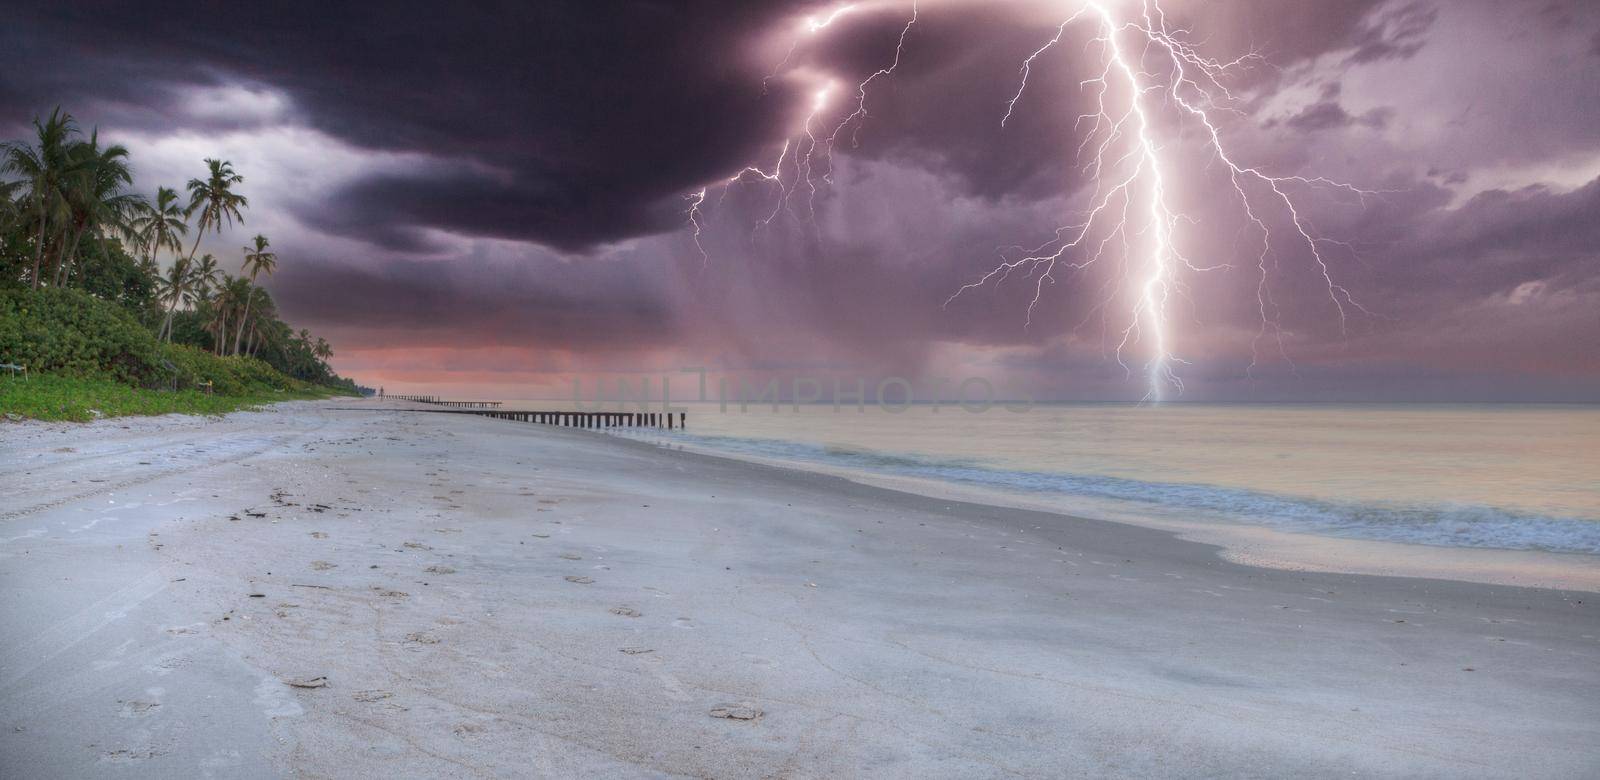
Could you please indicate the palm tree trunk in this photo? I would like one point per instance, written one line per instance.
(38, 249)
(197, 235)
(100, 243)
(72, 252)
(166, 325)
(239, 332)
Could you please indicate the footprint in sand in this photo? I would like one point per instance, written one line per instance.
(439, 570)
(128, 756)
(137, 709)
(579, 580)
(572, 556)
(737, 711)
(323, 565)
(626, 612)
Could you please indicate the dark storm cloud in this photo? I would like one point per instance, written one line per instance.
(579, 127)
(572, 123)
(1501, 239)
(1328, 114)
(1398, 32)
(537, 302)
(918, 119)
(390, 210)
(615, 107)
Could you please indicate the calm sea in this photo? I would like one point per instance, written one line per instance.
(1514, 477)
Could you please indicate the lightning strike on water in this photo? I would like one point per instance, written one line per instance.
(1131, 197)
(1131, 221)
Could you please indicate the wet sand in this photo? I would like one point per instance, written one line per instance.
(467, 597)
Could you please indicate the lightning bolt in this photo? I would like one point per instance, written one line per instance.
(860, 113)
(1131, 216)
(804, 143)
(811, 26)
(1131, 222)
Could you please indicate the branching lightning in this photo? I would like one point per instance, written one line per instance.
(1149, 77)
(804, 144)
(1131, 213)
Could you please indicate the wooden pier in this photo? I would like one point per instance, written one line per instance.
(592, 420)
(435, 400)
(595, 420)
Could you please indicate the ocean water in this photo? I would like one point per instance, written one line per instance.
(1512, 477)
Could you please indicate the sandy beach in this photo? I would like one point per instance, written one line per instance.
(336, 589)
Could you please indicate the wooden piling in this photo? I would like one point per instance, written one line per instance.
(587, 420)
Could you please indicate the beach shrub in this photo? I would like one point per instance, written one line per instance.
(193, 367)
(72, 333)
(56, 397)
(87, 357)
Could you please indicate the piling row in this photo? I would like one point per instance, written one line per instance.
(594, 419)
(563, 419)
(435, 400)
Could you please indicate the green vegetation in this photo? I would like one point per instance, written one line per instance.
(73, 333)
(102, 326)
(80, 400)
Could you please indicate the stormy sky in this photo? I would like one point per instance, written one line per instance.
(492, 200)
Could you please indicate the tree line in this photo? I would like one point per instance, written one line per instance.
(69, 219)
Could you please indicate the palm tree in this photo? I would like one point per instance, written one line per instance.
(8, 204)
(95, 197)
(215, 199)
(237, 291)
(277, 336)
(302, 346)
(230, 297)
(44, 169)
(256, 261)
(177, 287)
(265, 312)
(160, 225)
(11, 223)
(206, 275)
(323, 351)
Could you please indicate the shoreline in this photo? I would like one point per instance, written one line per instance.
(1241, 543)
(485, 598)
(1246, 544)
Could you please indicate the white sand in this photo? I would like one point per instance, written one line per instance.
(421, 563)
